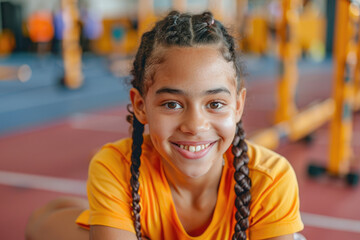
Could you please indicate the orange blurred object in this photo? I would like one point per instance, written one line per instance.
(41, 28)
(7, 42)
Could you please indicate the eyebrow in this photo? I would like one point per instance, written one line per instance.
(180, 92)
(217, 90)
(170, 90)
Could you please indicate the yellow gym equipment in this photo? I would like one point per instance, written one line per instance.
(346, 63)
(256, 33)
(295, 125)
(73, 77)
(288, 54)
(289, 122)
(356, 104)
(311, 32)
(146, 16)
(346, 52)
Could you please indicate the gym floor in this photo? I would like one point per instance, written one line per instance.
(48, 135)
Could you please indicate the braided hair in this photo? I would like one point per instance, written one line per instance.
(185, 30)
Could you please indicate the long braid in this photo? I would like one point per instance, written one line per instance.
(242, 183)
(241, 159)
(137, 136)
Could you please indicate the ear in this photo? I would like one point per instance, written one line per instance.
(240, 103)
(138, 104)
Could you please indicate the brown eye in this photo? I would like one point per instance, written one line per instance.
(215, 105)
(172, 105)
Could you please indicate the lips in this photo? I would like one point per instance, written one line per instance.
(193, 150)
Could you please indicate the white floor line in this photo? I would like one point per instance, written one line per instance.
(78, 187)
(333, 223)
(53, 184)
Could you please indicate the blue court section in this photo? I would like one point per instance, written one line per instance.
(42, 99)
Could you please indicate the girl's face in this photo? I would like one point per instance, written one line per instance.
(192, 107)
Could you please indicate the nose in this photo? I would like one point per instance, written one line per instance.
(194, 121)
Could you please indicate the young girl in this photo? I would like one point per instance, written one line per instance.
(194, 176)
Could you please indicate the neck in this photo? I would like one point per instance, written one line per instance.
(194, 188)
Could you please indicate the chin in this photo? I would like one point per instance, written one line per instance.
(194, 174)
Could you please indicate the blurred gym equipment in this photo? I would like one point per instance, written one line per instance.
(73, 77)
(22, 73)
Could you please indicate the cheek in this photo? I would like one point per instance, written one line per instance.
(226, 126)
(160, 126)
(158, 131)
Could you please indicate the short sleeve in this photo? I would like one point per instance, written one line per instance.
(275, 210)
(109, 191)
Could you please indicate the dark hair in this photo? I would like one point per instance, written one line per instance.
(185, 30)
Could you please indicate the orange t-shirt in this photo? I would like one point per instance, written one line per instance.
(274, 206)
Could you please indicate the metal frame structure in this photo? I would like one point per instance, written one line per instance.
(288, 54)
(346, 61)
(294, 125)
(289, 122)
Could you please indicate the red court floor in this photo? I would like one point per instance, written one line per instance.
(49, 161)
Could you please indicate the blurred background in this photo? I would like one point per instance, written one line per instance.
(64, 72)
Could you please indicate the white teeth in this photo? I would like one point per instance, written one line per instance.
(196, 148)
(184, 147)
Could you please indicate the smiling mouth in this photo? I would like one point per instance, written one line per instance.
(193, 148)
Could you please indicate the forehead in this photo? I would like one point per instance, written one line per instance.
(203, 67)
